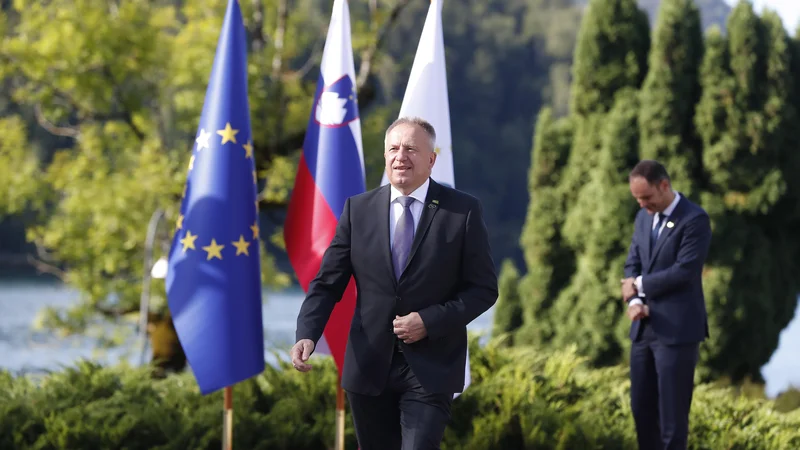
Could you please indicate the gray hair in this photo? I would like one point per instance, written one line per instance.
(418, 121)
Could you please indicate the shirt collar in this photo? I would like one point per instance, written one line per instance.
(419, 194)
(671, 208)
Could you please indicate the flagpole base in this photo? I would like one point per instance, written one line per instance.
(339, 417)
(227, 420)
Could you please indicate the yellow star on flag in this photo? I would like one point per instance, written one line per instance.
(214, 250)
(191, 162)
(188, 240)
(241, 246)
(179, 225)
(248, 149)
(228, 134)
(254, 227)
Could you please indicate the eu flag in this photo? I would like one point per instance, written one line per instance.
(214, 274)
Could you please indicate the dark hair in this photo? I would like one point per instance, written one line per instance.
(652, 171)
(420, 122)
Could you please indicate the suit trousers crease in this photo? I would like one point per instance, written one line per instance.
(404, 416)
(662, 382)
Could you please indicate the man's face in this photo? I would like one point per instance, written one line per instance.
(652, 197)
(409, 157)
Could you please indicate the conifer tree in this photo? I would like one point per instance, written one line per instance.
(549, 263)
(671, 91)
(748, 120)
(590, 310)
(508, 309)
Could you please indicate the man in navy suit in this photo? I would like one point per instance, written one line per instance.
(664, 291)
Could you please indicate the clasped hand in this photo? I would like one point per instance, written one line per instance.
(409, 328)
(635, 312)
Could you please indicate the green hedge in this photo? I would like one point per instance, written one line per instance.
(521, 398)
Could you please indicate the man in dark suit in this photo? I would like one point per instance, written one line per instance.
(664, 291)
(420, 256)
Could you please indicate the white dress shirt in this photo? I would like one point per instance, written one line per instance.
(396, 209)
(668, 212)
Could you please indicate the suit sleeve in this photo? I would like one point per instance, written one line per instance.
(692, 254)
(478, 283)
(633, 264)
(327, 288)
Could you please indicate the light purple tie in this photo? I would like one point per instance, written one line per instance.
(403, 236)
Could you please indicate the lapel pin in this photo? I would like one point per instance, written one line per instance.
(432, 206)
(670, 224)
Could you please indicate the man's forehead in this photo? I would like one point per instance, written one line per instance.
(404, 135)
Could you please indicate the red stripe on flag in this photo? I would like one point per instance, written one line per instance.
(308, 230)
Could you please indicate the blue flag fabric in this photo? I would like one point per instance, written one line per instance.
(214, 274)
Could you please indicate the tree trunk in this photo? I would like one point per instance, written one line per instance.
(167, 352)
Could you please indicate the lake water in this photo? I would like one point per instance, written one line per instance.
(23, 349)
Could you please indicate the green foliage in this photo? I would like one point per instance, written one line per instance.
(508, 310)
(590, 305)
(611, 54)
(670, 92)
(788, 400)
(520, 398)
(541, 238)
(18, 167)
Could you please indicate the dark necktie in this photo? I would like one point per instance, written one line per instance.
(654, 232)
(403, 236)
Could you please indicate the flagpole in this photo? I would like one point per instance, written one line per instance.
(339, 416)
(227, 420)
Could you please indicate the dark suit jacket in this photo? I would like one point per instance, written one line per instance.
(672, 273)
(449, 280)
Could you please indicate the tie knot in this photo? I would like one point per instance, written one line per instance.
(405, 201)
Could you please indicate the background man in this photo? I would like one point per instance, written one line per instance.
(664, 291)
(420, 255)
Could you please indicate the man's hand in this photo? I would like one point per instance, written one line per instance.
(628, 288)
(300, 353)
(409, 328)
(636, 312)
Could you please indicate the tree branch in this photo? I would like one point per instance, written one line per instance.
(125, 115)
(30, 260)
(257, 31)
(50, 127)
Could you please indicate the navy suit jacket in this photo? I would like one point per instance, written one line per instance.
(449, 280)
(672, 273)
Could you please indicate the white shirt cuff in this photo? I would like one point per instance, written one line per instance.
(639, 288)
(635, 301)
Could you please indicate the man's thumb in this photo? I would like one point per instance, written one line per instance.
(306, 351)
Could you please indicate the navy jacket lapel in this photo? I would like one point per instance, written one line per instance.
(383, 200)
(429, 210)
(669, 227)
(644, 238)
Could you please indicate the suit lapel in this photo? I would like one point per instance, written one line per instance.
(646, 237)
(429, 210)
(669, 227)
(383, 224)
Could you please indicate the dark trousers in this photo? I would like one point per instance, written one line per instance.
(403, 417)
(662, 382)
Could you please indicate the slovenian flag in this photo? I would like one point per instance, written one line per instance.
(331, 169)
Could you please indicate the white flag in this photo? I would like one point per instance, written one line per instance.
(426, 93)
(426, 97)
